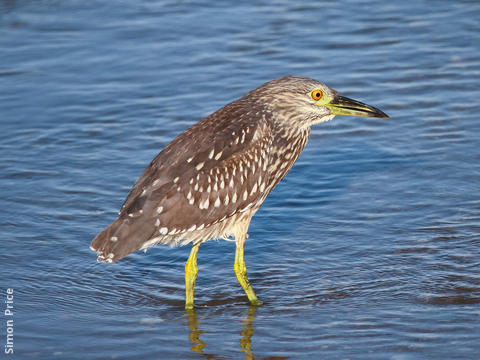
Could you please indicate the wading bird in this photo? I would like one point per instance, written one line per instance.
(210, 180)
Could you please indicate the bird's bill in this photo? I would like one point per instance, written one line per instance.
(341, 105)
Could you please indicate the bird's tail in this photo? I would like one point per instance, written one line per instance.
(120, 238)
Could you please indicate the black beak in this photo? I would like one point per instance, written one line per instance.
(344, 106)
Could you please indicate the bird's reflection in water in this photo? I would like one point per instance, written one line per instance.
(246, 334)
(198, 344)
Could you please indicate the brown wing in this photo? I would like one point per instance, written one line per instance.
(213, 170)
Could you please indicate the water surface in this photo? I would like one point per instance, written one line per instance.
(369, 248)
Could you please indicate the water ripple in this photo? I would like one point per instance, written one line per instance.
(369, 247)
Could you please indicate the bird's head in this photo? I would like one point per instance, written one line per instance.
(303, 101)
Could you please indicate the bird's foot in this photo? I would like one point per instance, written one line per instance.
(256, 302)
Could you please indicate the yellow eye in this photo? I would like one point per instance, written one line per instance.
(317, 94)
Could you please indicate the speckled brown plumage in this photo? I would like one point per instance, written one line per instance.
(216, 174)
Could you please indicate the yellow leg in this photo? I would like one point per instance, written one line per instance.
(191, 271)
(241, 271)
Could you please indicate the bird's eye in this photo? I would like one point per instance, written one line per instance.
(317, 94)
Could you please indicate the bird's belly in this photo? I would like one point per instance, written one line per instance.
(226, 229)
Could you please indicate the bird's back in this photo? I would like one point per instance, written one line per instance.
(215, 170)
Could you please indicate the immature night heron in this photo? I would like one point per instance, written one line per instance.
(210, 181)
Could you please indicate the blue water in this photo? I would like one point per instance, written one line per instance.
(368, 249)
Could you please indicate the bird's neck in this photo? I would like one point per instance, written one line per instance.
(287, 145)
